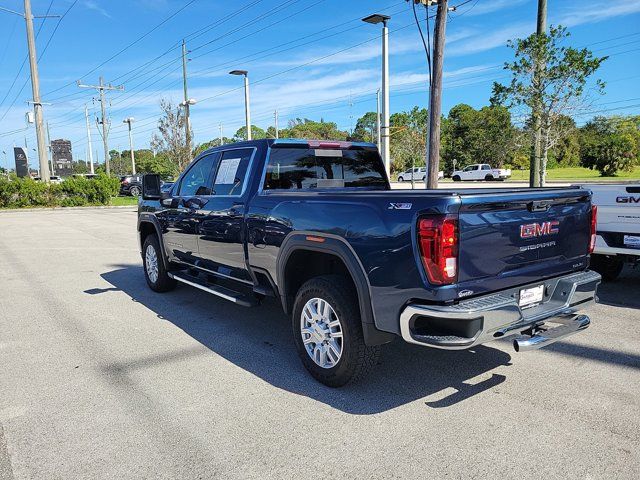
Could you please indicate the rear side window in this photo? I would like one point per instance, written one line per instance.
(486, 167)
(231, 171)
(197, 180)
(305, 168)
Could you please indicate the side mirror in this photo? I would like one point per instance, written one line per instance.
(151, 184)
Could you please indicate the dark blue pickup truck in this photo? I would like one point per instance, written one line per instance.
(355, 264)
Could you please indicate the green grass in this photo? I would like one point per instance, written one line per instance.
(571, 174)
(124, 201)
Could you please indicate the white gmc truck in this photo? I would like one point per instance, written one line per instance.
(618, 230)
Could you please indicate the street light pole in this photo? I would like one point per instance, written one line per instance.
(247, 107)
(385, 127)
(129, 121)
(378, 118)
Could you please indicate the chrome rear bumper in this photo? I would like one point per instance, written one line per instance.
(490, 317)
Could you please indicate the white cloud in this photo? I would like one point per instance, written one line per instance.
(91, 5)
(594, 12)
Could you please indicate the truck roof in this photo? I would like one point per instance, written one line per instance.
(312, 143)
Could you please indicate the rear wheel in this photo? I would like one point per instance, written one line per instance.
(489, 178)
(456, 178)
(154, 270)
(134, 191)
(327, 331)
(609, 266)
(400, 179)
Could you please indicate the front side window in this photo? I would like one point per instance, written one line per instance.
(307, 168)
(468, 169)
(197, 180)
(231, 171)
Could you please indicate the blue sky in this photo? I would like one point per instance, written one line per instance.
(307, 58)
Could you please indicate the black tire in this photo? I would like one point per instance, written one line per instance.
(163, 282)
(609, 266)
(456, 178)
(400, 179)
(134, 191)
(489, 178)
(423, 178)
(357, 359)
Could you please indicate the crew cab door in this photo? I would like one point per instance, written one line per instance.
(220, 243)
(469, 173)
(181, 216)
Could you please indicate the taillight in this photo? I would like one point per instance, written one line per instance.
(594, 224)
(438, 242)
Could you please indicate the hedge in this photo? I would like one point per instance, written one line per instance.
(72, 192)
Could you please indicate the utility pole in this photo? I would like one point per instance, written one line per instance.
(378, 117)
(35, 87)
(89, 148)
(53, 170)
(187, 118)
(101, 87)
(275, 117)
(435, 97)
(535, 173)
(129, 121)
(220, 127)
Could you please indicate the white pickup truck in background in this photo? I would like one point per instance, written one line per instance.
(618, 229)
(481, 171)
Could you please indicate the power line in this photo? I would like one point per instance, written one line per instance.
(128, 46)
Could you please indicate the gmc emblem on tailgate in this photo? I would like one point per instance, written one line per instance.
(628, 199)
(532, 230)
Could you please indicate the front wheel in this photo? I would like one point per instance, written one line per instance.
(400, 179)
(154, 270)
(134, 191)
(327, 331)
(456, 178)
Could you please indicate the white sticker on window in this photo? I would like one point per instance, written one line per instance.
(227, 171)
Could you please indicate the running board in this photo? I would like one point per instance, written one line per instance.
(222, 292)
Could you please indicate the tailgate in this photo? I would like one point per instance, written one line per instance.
(509, 239)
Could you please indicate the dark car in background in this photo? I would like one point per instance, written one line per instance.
(131, 185)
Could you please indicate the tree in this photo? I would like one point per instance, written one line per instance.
(548, 80)
(366, 128)
(256, 133)
(478, 136)
(610, 144)
(408, 138)
(305, 128)
(171, 139)
(147, 162)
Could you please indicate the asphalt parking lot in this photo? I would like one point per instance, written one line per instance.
(102, 378)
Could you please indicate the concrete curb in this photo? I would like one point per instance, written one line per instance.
(44, 209)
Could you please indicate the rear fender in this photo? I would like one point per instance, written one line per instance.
(337, 246)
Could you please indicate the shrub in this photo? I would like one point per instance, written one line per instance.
(25, 192)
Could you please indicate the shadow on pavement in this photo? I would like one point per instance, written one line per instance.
(622, 292)
(259, 341)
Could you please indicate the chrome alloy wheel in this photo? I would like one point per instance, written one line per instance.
(321, 332)
(151, 263)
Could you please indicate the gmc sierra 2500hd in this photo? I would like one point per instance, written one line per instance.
(355, 264)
